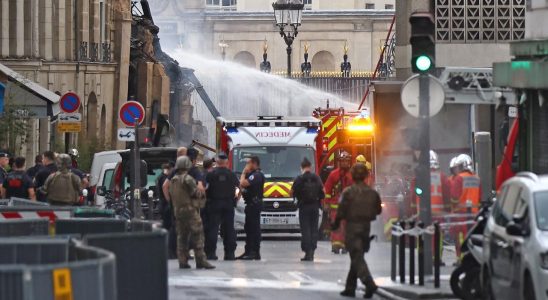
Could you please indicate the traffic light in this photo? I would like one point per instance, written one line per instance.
(423, 45)
(145, 139)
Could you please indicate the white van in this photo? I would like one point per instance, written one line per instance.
(105, 179)
(99, 160)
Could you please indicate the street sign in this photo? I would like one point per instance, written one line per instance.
(69, 102)
(68, 118)
(69, 127)
(410, 96)
(126, 135)
(130, 111)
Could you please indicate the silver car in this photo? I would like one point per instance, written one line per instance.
(516, 241)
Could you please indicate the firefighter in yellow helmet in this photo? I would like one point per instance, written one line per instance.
(361, 159)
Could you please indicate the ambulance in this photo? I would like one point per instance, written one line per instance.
(281, 143)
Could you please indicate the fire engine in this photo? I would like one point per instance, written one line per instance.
(280, 143)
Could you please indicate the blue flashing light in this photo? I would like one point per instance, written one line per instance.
(312, 130)
(232, 130)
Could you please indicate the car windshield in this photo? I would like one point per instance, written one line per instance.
(541, 210)
(151, 178)
(277, 162)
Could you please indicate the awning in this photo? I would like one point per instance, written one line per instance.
(27, 95)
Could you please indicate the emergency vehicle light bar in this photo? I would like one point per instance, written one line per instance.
(307, 124)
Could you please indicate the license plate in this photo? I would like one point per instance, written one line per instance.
(275, 221)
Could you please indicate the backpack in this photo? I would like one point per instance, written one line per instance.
(63, 187)
(309, 193)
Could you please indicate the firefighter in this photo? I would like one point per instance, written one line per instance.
(361, 159)
(465, 196)
(439, 188)
(338, 180)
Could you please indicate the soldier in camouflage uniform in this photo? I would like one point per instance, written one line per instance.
(360, 206)
(187, 201)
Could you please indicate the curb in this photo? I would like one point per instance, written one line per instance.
(386, 294)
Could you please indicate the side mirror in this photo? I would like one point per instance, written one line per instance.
(101, 191)
(515, 229)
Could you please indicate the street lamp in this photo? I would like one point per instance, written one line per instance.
(223, 45)
(288, 13)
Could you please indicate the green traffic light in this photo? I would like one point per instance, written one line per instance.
(423, 63)
(418, 191)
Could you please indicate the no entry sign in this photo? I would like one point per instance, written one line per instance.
(69, 102)
(131, 111)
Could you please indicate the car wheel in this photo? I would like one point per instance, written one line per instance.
(471, 284)
(487, 288)
(528, 288)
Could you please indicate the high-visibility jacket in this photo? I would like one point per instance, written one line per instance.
(439, 192)
(466, 187)
(337, 181)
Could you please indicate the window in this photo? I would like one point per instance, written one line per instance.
(307, 4)
(369, 5)
(541, 210)
(221, 4)
(504, 210)
(389, 6)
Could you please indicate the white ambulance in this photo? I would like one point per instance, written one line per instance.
(281, 143)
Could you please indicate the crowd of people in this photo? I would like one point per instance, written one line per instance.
(54, 178)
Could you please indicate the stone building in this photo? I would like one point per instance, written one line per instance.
(244, 25)
(81, 46)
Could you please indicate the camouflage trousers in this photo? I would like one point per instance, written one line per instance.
(190, 231)
(357, 244)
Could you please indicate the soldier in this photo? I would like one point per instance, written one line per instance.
(360, 206)
(221, 194)
(252, 185)
(185, 198)
(63, 187)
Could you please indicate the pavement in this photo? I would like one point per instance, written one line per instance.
(281, 275)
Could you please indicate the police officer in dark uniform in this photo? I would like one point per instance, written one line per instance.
(4, 163)
(252, 185)
(359, 206)
(50, 167)
(221, 185)
(17, 183)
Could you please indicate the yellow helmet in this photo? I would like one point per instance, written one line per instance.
(361, 159)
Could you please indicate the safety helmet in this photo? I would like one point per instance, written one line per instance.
(183, 163)
(64, 162)
(73, 152)
(453, 163)
(361, 159)
(345, 156)
(464, 162)
(434, 160)
(359, 172)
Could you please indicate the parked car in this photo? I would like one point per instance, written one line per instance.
(105, 180)
(516, 241)
(99, 160)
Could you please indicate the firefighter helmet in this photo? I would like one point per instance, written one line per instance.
(434, 160)
(464, 162)
(73, 152)
(345, 156)
(453, 163)
(359, 172)
(361, 159)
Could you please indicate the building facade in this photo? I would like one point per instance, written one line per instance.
(81, 46)
(243, 27)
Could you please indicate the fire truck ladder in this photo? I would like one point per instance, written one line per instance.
(385, 65)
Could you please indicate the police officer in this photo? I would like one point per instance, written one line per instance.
(221, 195)
(308, 190)
(184, 196)
(359, 206)
(48, 159)
(252, 185)
(17, 183)
(4, 163)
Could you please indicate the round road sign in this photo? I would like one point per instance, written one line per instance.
(69, 102)
(410, 96)
(131, 111)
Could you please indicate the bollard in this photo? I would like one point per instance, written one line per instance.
(401, 259)
(484, 162)
(412, 255)
(394, 245)
(421, 255)
(437, 255)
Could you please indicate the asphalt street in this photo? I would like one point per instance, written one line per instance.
(279, 275)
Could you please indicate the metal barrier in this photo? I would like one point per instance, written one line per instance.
(411, 235)
(141, 260)
(83, 226)
(4, 202)
(93, 212)
(20, 227)
(25, 202)
(51, 269)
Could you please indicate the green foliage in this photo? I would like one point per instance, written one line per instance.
(87, 148)
(14, 128)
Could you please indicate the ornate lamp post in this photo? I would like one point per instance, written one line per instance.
(346, 67)
(223, 45)
(288, 14)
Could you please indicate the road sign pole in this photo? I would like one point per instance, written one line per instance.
(423, 171)
(136, 203)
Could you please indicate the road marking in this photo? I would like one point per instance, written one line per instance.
(183, 281)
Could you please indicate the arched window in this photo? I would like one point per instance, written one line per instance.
(103, 131)
(323, 61)
(245, 58)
